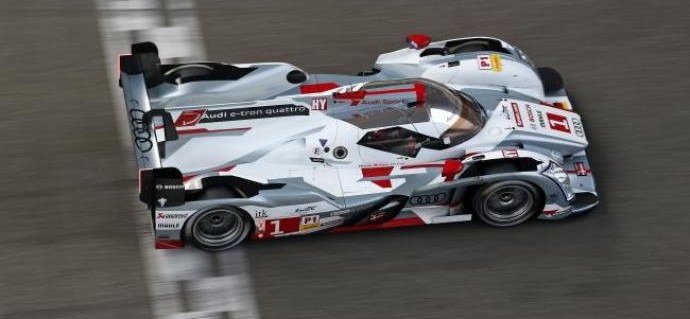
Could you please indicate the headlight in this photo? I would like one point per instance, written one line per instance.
(557, 173)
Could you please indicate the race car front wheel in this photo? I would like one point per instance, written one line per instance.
(506, 203)
(218, 228)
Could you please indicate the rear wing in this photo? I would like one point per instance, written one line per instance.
(138, 72)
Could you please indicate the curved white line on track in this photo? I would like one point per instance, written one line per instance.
(182, 283)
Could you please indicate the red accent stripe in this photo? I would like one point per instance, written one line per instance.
(580, 169)
(391, 91)
(205, 130)
(188, 177)
(119, 62)
(225, 169)
(361, 94)
(378, 172)
(550, 212)
(560, 107)
(422, 166)
(418, 41)
(383, 183)
(189, 117)
(572, 171)
(317, 87)
(451, 168)
(420, 91)
(168, 244)
(398, 222)
(355, 95)
(222, 169)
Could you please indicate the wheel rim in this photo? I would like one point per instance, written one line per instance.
(219, 227)
(509, 203)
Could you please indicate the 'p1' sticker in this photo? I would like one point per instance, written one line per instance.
(484, 61)
(558, 122)
(490, 62)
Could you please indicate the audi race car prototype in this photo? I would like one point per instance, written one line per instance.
(437, 132)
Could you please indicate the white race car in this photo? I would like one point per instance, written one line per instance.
(437, 132)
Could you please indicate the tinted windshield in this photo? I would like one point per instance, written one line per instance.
(455, 116)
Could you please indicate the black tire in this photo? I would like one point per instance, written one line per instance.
(219, 191)
(506, 203)
(218, 228)
(551, 79)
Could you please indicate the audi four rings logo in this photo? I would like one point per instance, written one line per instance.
(577, 125)
(428, 199)
(140, 130)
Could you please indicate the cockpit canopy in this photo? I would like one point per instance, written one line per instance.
(403, 116)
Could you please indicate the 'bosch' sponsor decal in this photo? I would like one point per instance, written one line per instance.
(427, 199)
(169, 187)
(530, 115)
(558, 122)
(251, 113)
(516, 111)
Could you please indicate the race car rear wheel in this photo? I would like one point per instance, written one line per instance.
(218, 228)
(506, 203)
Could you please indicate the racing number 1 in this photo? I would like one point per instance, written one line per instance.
(558, 122)
(282, 226)
(276, 227)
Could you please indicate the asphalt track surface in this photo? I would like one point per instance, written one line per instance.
(69, 252)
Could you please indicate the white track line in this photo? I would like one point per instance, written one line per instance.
(182, 283)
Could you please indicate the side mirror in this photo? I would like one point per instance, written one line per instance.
(418, 41)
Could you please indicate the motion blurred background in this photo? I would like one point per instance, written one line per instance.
(73, 247)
